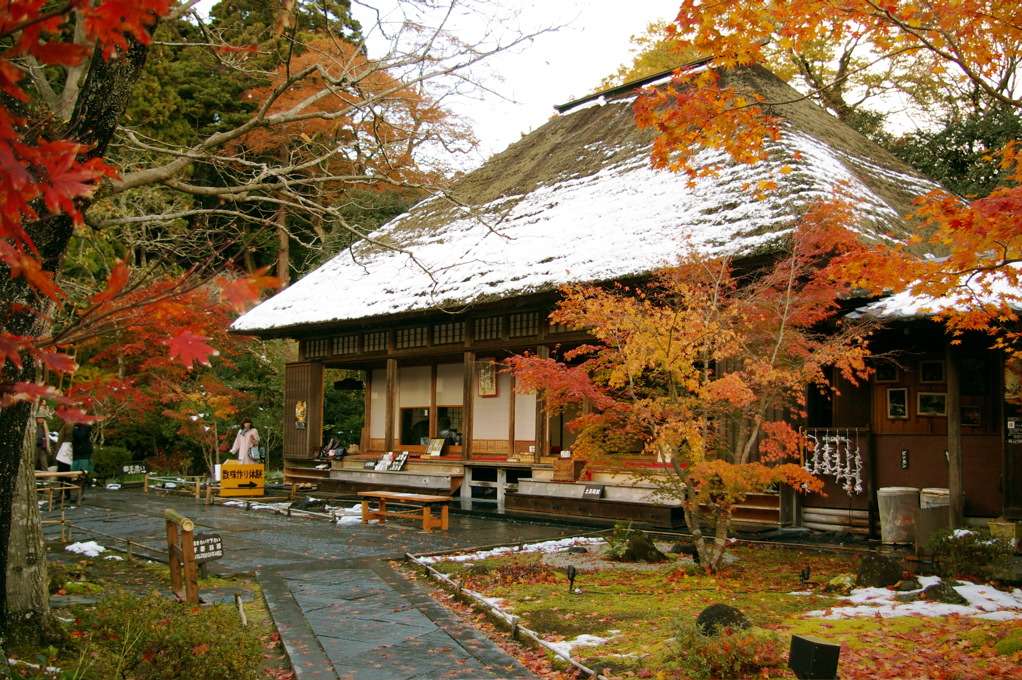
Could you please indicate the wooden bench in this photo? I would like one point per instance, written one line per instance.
(423, 504)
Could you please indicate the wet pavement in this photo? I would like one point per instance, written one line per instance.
(340, 608)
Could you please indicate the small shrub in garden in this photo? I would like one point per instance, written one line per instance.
(731, 653)
(964, 552)
(109, 461)
(153, 638)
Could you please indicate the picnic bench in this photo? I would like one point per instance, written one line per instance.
(423, 505)
(73, 480)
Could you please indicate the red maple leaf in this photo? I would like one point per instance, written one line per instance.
(189, 348)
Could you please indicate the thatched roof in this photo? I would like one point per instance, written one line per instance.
(576, 200)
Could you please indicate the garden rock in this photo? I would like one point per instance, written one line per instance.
(878, 571)
(687, 549)
(943, 592)
(908, 597)
(718, 616)
(642, 549)
(842, 583)
(907, 584)
(577, 549)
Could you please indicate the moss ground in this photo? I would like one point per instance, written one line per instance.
(639, 612)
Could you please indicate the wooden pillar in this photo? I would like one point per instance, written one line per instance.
(391, 402)
(954, 440)
(542, 426)
(367, 410)
(468, 400)
(511, 417)
(432, 402)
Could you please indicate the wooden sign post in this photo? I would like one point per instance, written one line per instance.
(184, 577)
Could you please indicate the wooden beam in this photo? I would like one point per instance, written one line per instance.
(391, 402)
(542, 429)
(468, 399)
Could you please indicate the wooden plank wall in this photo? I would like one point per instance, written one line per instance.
(303, 381)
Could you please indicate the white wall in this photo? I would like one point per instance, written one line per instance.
(413, 386)
(490, 414)
(525, 416)
(378, 404)
(450, 384)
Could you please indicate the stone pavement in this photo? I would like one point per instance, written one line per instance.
(341, 610)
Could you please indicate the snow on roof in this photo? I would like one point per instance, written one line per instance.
(984, 292)
(577, 200)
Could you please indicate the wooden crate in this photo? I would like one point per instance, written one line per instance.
(568, 469)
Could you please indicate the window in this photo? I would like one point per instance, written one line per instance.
(415, 426)
(449, 424)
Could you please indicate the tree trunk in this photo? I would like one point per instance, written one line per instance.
(27, 581)
(101, 102)
(283, 247)
(954, 441)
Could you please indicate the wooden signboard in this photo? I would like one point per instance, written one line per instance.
(593, 492)
(241, 480)
(208, 547)
(436, 446)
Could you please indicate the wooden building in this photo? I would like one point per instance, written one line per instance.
(430, 304)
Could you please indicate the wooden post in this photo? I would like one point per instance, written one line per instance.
(391, 403)
(511, 417)
(467, 400)
(181, 556)
(432, 402)
(954, 440)
(145, 483)
(542, 425)
(367, 411)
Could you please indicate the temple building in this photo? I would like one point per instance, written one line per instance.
(429, 305)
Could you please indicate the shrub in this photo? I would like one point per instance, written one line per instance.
(731, 653)
(153, 638)
(175, 462)
(109, 461)
(964, 552)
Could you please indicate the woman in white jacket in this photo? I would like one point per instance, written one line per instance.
(246, 439)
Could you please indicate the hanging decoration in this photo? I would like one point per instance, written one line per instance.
(836, 453)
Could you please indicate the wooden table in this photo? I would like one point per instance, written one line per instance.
(63, 479)
(423, 504)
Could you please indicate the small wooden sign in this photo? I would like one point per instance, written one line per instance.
(436, 446)
(592, 492)
(134, 469)
(208, 547)
(399, 462)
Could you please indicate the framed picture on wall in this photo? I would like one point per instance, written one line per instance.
(885, 373)
(487, 377)
(972, 416)
(897, 403)
(932, 404)
(931, 371)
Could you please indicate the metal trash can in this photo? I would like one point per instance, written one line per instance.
(897, 505)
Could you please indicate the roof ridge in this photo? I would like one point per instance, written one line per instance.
(631, 84)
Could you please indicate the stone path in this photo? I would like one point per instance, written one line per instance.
(341, 610)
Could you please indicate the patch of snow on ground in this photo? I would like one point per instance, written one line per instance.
(255, 505)
(962, 533)
(984, 602)
(352, 515)
(114, 557)
(585, 640)
(87, 548)
(543, 547)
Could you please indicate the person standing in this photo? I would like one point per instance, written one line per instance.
(42, 444)
(246, 440)
(81, 441)
(65, 448)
